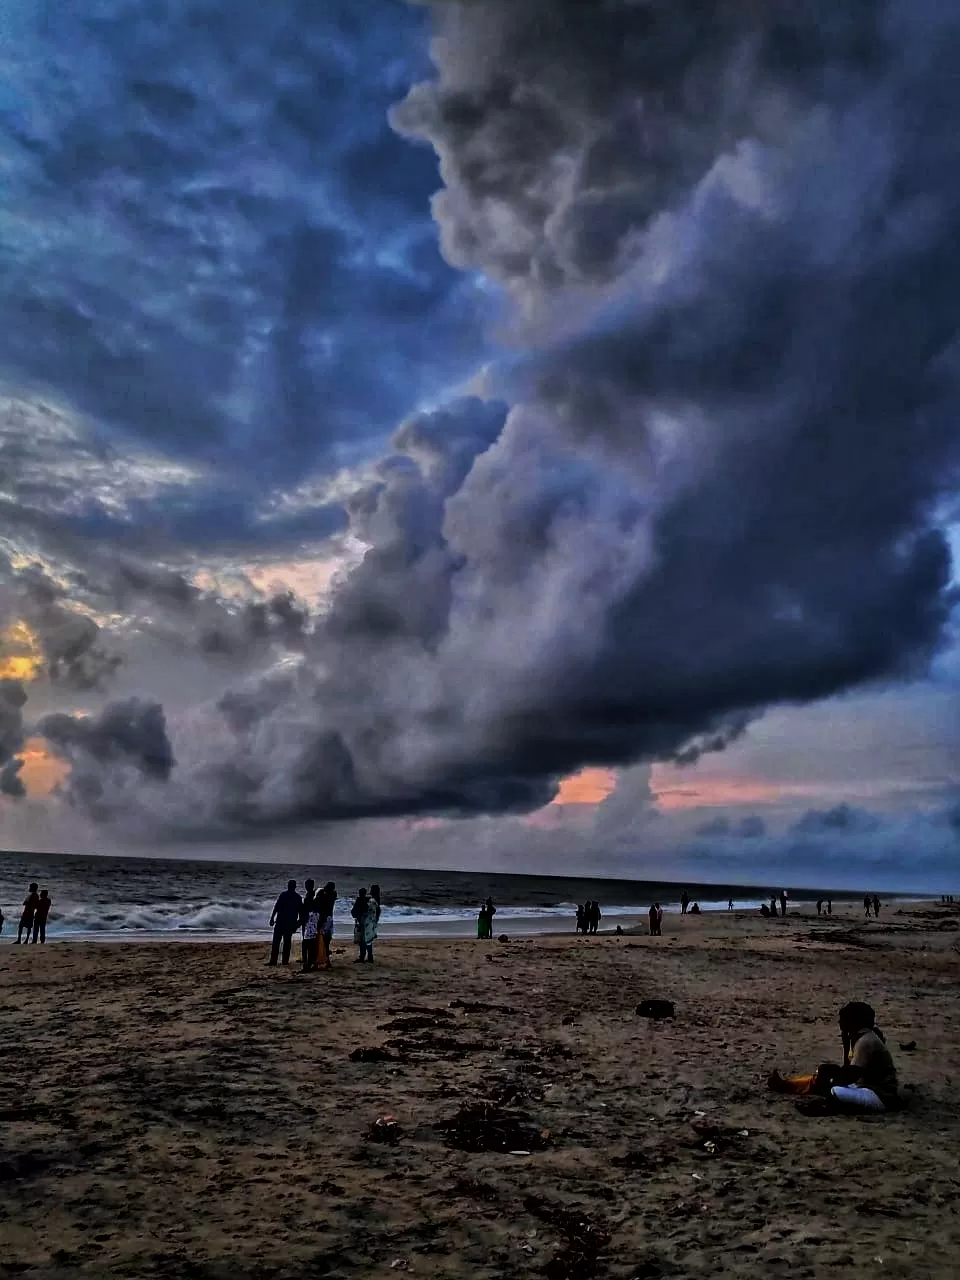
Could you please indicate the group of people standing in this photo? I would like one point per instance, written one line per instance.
(34, 914)
(312, 914)
(589, 917)
(871, 904)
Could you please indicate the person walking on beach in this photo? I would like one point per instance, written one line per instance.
(684, 902)
(867, 904)
(729, 904)
(783, 903)
(876, 907)
(30, 904)
(284, 919)
(40, 918)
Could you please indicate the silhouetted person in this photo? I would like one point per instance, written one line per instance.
(652, 913)
(819, 906)
(867, 904)
(659, 919)
(783, 902)
(876, 906)
(595, 917)
(581, 920)
(326, 902)
(285, 918)
(695, 909)
(364, 912)
(684, 902)
(40, 917)
(729, 904)
(829, 906)
(773, 905)
(30, 903)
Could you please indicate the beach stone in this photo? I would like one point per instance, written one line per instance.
(503, 938)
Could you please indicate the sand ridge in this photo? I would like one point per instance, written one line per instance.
(182, 1110)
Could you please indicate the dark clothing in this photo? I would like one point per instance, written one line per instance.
(40, 928)
(286, 913)
(311, 953)
(282, 939)
(309, 898)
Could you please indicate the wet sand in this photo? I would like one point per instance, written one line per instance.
(184, 1111)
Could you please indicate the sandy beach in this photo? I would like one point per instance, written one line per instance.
(181, 1110)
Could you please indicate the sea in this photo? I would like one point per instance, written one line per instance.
(113, 899)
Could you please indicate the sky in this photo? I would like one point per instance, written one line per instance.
(483, 435)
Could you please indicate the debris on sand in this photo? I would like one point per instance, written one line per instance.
(656, 1009)
(483, 1126)
(503, 938)
(384, 1129)
(581, 1242)
(419, 1022)
(375, 1053)
(715, 1139)
(446, 1046)
(480, 1006)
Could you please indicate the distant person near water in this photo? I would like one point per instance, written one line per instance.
(729, 904)
(783, 903)
(595, 916)
(581, 919)
(684, 902)
(40, 917)
(876, 907)
(309, 927)
(656, 920)
(326, 903)
(284, 919)
(30, 904)
(867, 904)
(366, 913)
(485, 919)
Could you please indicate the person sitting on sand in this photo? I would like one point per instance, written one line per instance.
(284, 918)
(867, 1081)
(30, 903)
(695, 909)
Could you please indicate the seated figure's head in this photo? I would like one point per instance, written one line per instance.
(855, 1018)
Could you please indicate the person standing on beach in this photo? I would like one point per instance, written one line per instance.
(829, 906)
(684, 902)
(364, 914)
(773, 905)
(652, 914)
(307, 909)
(40, 918)
(876, 907)
(581, 920)
(30, 904)
(729, 904)
(867, 905)
(326, 902)
(783, 903)
(595, 917)
(284, 919)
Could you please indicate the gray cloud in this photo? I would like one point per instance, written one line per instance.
(733, 248)
(12, 700)
(199, 249)
(841, 820)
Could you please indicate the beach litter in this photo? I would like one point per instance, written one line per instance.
(384, 1129)
(483, 1126)
(656, 1009)
(577, 1254)
(375, 1053)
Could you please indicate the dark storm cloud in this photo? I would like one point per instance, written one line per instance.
(13, 698)
(732, 237)
(841, 820)
(197, 252)
(751, 827)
